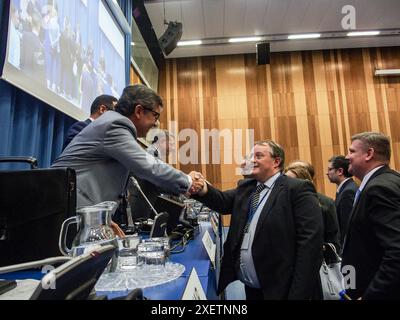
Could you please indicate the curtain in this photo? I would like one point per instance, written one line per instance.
(29, 127)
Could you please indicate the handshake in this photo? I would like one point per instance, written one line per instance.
(199, 183)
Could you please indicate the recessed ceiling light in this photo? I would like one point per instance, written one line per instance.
(304, 36)
(247, 39)
(363, 33)
(189, 43)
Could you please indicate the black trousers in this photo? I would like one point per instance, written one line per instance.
(253, 294)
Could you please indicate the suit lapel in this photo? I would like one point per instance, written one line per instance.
(279, 185)
(355, 207)
(242, 211)
(377, 173)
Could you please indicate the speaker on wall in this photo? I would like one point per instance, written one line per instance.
(171, 36)
(263, 52)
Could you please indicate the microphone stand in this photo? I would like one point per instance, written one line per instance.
(136, 184)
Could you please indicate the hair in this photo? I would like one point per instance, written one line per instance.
(376, 140)
(300, 163)
(103, 100)
(137, 94)
(301, 172)
(340, 162)
(276, 151)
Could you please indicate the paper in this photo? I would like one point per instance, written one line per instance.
(194, 290)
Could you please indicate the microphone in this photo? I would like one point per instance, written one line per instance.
(136, 184)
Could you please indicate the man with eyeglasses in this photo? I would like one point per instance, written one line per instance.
(276, 234)
(105, 152)
(338, 173)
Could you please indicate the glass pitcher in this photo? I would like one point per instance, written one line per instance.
(94, 229)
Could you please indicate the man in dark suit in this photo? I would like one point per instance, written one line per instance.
(275, 238)
(338, 173)
(100, 105)
(372, 243)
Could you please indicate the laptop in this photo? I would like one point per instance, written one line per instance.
(75, 279)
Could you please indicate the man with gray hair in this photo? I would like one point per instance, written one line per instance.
(104, 153)
(372, 243)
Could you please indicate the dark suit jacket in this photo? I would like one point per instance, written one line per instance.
(330, 222)
(344, 204)
(74, 130)
(372, 244)
(287, 241)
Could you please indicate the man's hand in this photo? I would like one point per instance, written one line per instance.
(199, 185)
(197, 182)
(117, 230)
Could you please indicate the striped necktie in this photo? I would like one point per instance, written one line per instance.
(253, 205)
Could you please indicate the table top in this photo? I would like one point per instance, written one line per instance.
(194, 256)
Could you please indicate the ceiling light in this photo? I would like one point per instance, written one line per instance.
(363, 33)
(387, 72)
(304, 36)
(132, 44)
(248, 39)
(190, 43)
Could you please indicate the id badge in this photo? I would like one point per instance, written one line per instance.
(246, 241)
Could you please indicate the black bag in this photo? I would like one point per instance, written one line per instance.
(33, 205)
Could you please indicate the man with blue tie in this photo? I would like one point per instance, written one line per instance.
(276, 234)
(372, 243)
(338, 173)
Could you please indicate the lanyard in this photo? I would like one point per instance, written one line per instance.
(251, 212)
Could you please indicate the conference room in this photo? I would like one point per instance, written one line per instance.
(199, 150)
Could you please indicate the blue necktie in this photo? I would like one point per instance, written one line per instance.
(254, 204)
(357, 196)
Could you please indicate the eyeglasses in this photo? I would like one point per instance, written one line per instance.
(155, 113)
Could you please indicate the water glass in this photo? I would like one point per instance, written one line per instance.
(127, 252)
(151, 254)
(165, 241)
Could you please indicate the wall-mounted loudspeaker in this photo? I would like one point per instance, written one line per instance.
(171, 36)
(263, 53)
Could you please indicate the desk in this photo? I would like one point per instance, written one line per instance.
(194, 256)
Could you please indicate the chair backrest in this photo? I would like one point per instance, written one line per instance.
(33, 205)
(159, 227)
(173, 208)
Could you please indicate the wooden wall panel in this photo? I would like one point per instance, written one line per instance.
(310, 102)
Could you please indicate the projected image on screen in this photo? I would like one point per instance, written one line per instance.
(66, 53)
